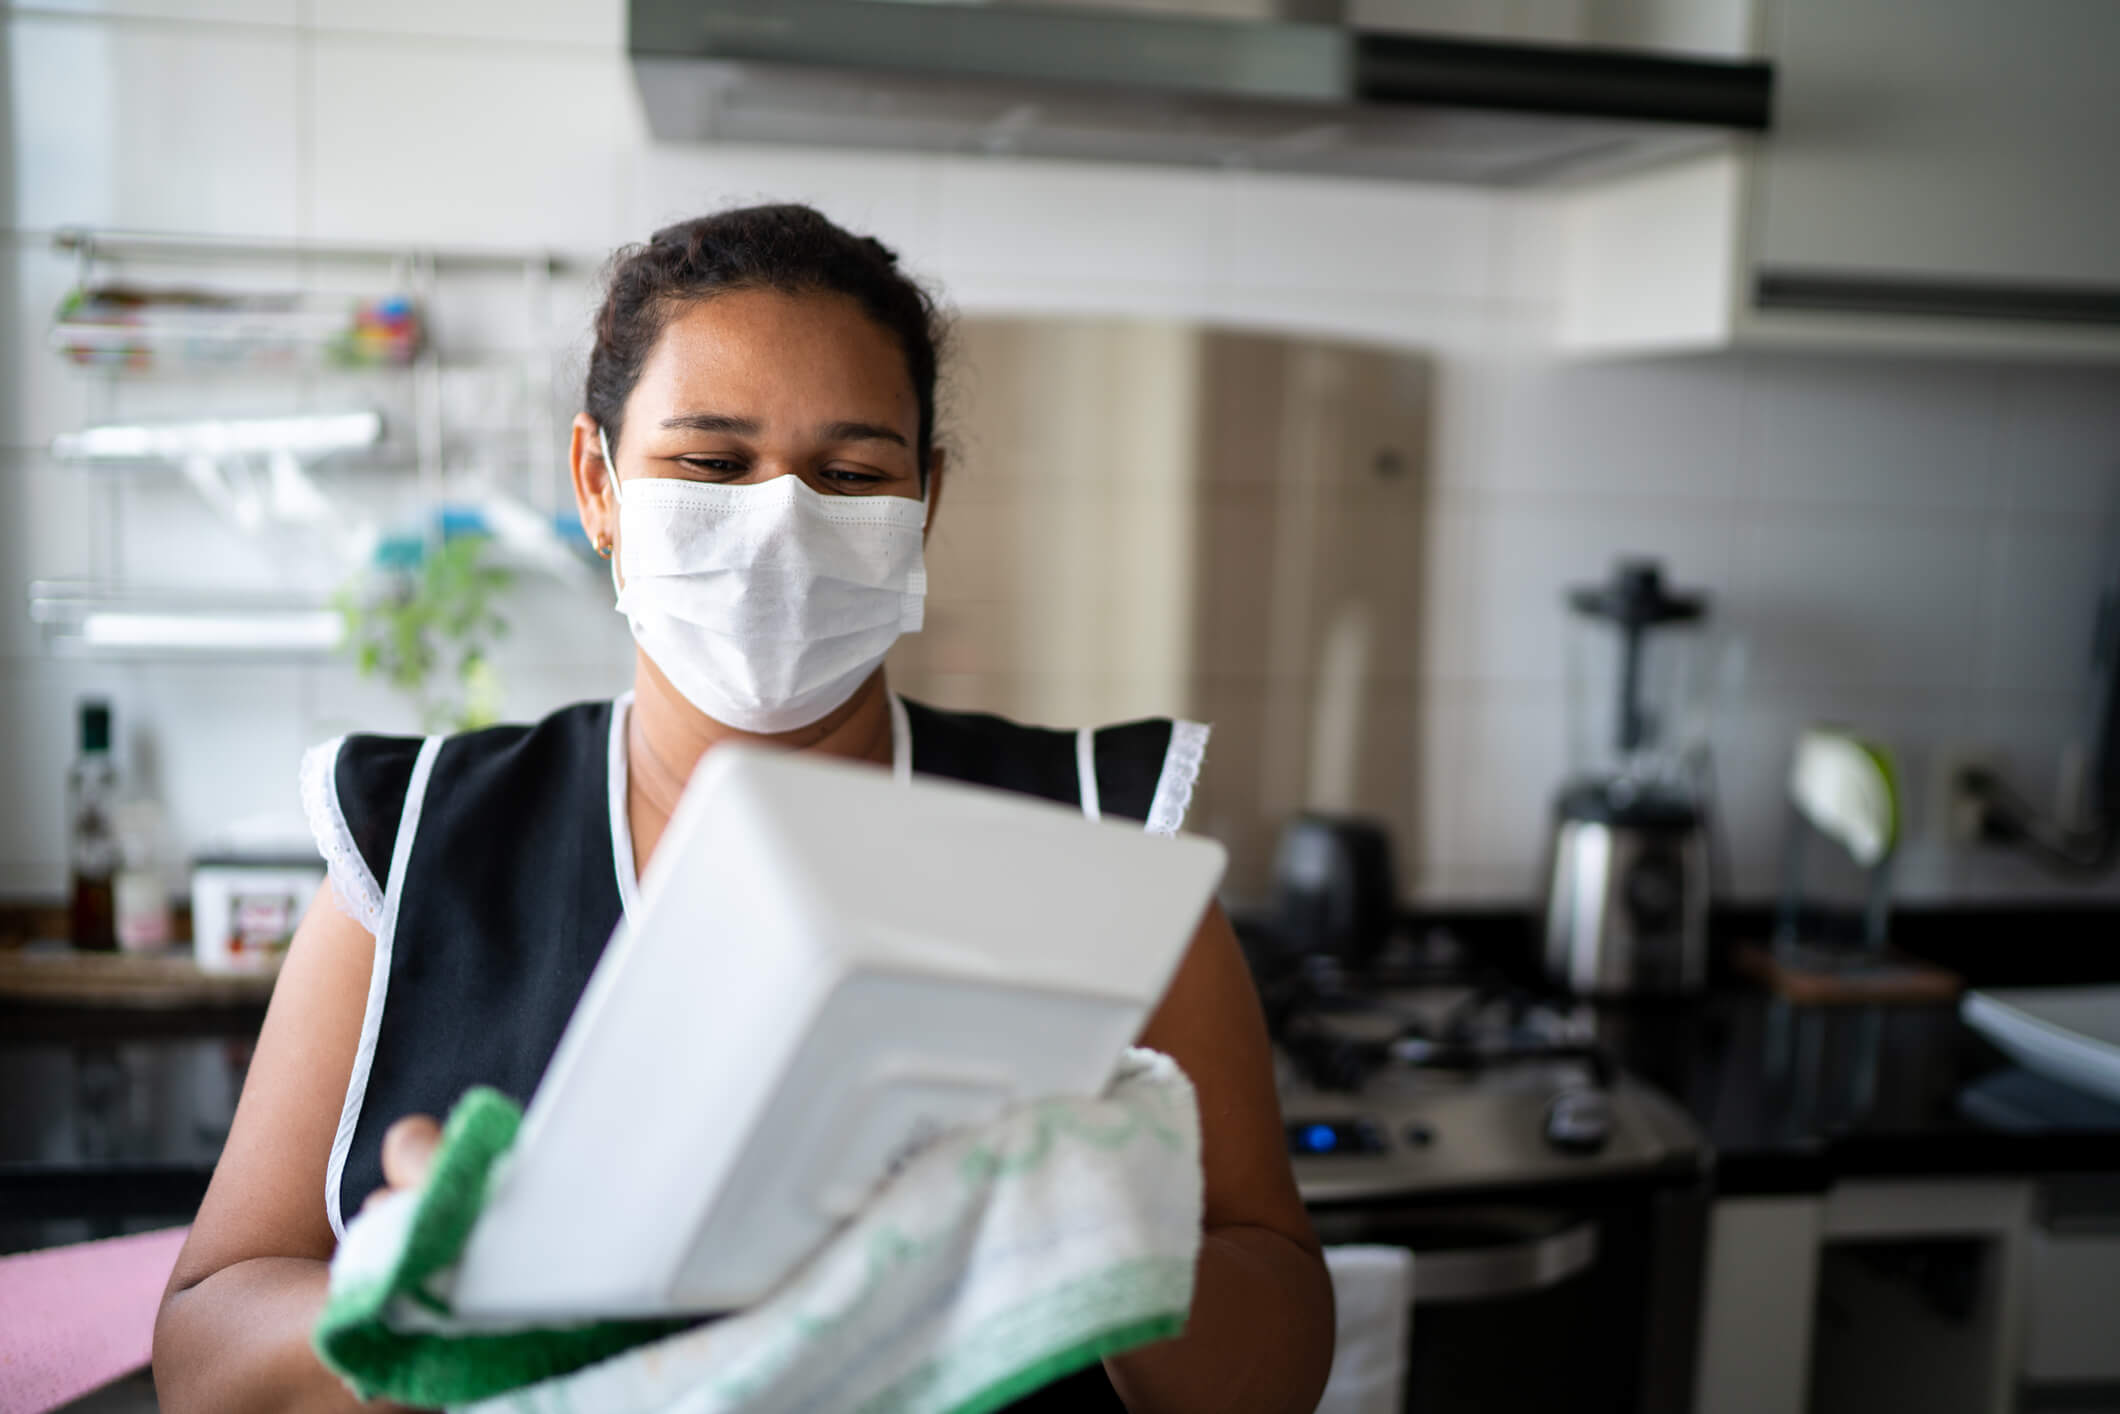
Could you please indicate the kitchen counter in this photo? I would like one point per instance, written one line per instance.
(111, 1115)
(1793, 1098)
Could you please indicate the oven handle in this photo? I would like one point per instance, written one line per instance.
(1505, 1269)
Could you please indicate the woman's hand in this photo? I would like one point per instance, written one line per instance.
(408, 1152)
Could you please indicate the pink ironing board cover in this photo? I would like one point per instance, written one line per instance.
(72, 1319)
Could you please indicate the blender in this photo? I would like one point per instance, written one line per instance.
(1626, 897)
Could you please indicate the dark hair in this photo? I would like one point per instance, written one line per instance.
(789, 248)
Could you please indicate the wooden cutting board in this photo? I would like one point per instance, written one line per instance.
(1892, 978)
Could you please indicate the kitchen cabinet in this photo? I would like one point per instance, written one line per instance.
(1961, 1294)
(1756, 1306)
(2072, 1288)
(1920, 1295)
(1939, 180)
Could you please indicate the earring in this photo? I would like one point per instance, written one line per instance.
(603, 547)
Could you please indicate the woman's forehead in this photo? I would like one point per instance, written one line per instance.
(750, 352)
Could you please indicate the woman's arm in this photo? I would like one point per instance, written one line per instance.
(233, 1332)
(1261, 1331)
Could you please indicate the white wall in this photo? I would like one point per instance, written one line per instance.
(1913, 547)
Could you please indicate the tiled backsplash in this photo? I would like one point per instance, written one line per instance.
(1911, 546)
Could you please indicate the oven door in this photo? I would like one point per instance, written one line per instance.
(1583, 1301)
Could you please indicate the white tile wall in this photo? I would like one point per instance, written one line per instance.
(147, 125)
(886, 194)
(451, 143)
(510, 22)
(1660, 430)
(1844, 433)
(1513, 755)
(255, 12)
(1937, 590)
(2040, 623)
(1860, 599)
(2055, 453)
(1909, 546)
(1502, 563)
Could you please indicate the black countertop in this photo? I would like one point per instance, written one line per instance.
(109, 1119)
(1793, 1098)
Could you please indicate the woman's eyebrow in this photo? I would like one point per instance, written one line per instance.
(860, 432)
(713, 422)
(750, 427)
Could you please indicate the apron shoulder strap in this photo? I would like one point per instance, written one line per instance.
(1143, 770)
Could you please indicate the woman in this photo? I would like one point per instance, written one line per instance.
(757, 457)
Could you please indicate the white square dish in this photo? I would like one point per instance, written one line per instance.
(827, 967)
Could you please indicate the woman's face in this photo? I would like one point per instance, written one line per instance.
(751, 385)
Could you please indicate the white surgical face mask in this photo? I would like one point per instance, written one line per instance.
(766, 605)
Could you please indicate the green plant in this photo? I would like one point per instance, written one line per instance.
(406, 623)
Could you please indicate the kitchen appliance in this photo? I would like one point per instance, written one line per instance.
(1334, 892)
(1627, 882)
(807, 1016)
(1178, 82)
(1555, 1206)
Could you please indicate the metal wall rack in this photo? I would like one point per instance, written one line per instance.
(68, 610)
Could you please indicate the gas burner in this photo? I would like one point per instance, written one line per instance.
(1345, 1041)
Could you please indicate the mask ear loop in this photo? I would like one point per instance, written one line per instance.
(603, 444)
(618, 495)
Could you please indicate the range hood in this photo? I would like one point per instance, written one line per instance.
(1110, 84)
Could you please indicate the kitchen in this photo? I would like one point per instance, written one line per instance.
(1321, 437)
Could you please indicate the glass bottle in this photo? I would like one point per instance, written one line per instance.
(92, 835)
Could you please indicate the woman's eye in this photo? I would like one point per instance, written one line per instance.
(712, 466)
(846, 477)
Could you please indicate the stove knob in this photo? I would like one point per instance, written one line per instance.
(1579, 1121)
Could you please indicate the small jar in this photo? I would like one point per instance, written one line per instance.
(140, 893)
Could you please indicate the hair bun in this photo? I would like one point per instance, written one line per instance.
(678, 233)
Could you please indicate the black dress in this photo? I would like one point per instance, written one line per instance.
(492, 867)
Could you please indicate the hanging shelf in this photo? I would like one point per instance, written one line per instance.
(126, 327)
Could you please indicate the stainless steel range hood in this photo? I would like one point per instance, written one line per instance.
(1137, 86)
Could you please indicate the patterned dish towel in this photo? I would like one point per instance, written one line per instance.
(994, 1261)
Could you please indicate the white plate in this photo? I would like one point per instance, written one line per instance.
(2070, 1034)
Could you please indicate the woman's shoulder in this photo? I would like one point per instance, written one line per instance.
(355, 787)
(1143, 769)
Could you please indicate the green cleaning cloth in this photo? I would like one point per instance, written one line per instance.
(995, 1260)
(387, 1328)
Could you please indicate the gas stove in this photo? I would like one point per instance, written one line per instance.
(1552, 1202)
(1428, 1089)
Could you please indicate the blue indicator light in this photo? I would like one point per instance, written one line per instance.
(1321, 1139)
